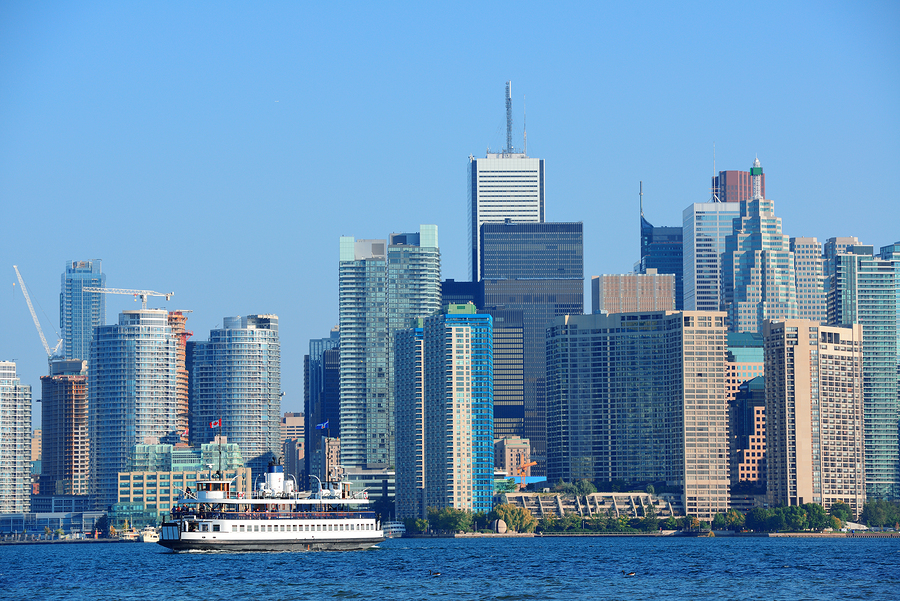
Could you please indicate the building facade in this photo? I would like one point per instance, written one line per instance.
(640, 397)
(735, 186)
(178, 323)
(809, 271)
(322, 392)
(662, 249)
(235, 385)
(632, 292)
(705, 227)
(132, 394)
(79, 311)
(15, 450)
(382, 287)
(64, 417)
(814, 414)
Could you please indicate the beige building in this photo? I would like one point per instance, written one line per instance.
(814, 413)
(293, 425)
(630, 292)
(510, 454)
(809, 273)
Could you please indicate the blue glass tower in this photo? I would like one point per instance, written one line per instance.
(80, 312)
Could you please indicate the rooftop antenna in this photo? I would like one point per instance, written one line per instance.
(642, 198)
(524, 125)
(715, 189)
(509, 148)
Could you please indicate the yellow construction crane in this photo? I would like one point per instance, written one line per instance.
(136, 293)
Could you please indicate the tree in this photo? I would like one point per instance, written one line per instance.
(816, 517)
(689, 522)
(776, 521)
(415, 525)
(757, 519)
(670, 523)
(719, 522)
(518, 519)
(734, 519)
(584, 487)
(795, 518)
(841, 511)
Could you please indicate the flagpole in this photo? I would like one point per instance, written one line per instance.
(221, 473)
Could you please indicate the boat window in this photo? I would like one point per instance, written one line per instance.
(242, 527)
(204, 527)
(256, 528)
(216, 528)
(282, 527)
(234, 528)
(307, 528)
(351, 526)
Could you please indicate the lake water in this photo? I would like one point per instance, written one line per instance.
(517, 568)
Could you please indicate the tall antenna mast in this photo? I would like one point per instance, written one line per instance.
(642, 198)
(715, 188)
(509, 147)
(524, 125)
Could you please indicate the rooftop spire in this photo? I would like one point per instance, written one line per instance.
(756, 176)
(509, 146)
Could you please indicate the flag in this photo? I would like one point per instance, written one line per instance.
(183, 434)
(322, 426)
(216, 424)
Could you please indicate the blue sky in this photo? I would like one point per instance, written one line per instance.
(219, 150)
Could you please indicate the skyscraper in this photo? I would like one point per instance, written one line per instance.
(705, 227)
(178, 323)
(382, 287)
(735, 186)
(814, 414)
(132, 389)
(409, 388)
(641, 397)
(538, 269)
(809, 271)
(865, 291)
(80, 312)
(64, 420)
(662, 249)
(628, 292)
(235, 385)
(15, 450)
(503, 185)
(322, 394)
(758, 266)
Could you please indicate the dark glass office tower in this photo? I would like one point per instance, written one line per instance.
(661, 249)
(531, 272)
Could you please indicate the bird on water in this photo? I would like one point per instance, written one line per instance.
(628, 574)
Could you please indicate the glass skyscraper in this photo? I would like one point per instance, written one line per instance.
(80, 312)
(322, 396)
(383, 285)
(235, 377)
(132, 389)
(662, 249)
(15, 448)
(705, 227)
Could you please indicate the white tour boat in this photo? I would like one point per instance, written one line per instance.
(148, 535)
(273, 518)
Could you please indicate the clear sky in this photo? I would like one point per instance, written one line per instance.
(219, 150)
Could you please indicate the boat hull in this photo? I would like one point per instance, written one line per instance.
(239, 546)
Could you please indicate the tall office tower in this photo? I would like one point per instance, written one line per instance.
(705, 227)
(735, 186)
(509, 371)
(236, 385)
(293, 425)
(503, 185)
(538, 269)
(865, 291)
(460, 293)
(809, 271)
(662, 249)
(382, 287)
(132, 394)
(758, 265)
(652, 408)
(831, 249)
(178, 323)
(814, 414)
(451, 392)
(80, 312)
(322, 393)
(629, 292)
(64, 418)
(15, 450)
(748, 433)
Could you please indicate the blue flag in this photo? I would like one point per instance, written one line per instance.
(322, 426)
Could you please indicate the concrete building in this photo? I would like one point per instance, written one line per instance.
(809, 273)
(814, 414)
(132, 394)
(633, 292)
(758, 276)
(79, 311)
(15, 448)
(178, 323)
(705, 227)
(641, 397)
(65, 465)
(382, 287)
(235, 384)
(512, 455)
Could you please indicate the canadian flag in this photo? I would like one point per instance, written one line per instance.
(216, 424)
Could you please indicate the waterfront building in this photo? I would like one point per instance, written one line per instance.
(536, 269)
(79, 311)
(809, 271)
(409, 387)
(235, 384)
(322, 393)
(864, 290)
(759, 282)
(64, 416)
(641, 397)
(662, 250)
(178, 323)
(814, 414)
(383, 285)
(132, 394)
(632, 292)
(15, 447)
(705, 227)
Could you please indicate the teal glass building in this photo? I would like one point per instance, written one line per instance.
(79, 311)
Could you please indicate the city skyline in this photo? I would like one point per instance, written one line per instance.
(157, 146)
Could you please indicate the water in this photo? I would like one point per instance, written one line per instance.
(548, 568)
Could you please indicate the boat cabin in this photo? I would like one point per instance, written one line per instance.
(210, 490)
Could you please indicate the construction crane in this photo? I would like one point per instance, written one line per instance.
(136, 293)
(34, 316)
(520, 471)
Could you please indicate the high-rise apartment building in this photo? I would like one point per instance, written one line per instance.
(662, 249)
(445, 381)
(758, 265)
(814, 414)
(64, 418)
(79, 311)
(383, 285)
(809, 273)
(631, 292)
(705, 227)
(235, 383)
(640, 397)
(735, 186)
(864, 290)
(831, 249)
(15, 448)
(178, 323)
(537, 269)
(132, 394)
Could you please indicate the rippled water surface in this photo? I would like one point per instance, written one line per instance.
(548, 568)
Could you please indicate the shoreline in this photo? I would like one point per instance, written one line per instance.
(63, 541)
(665, 533)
